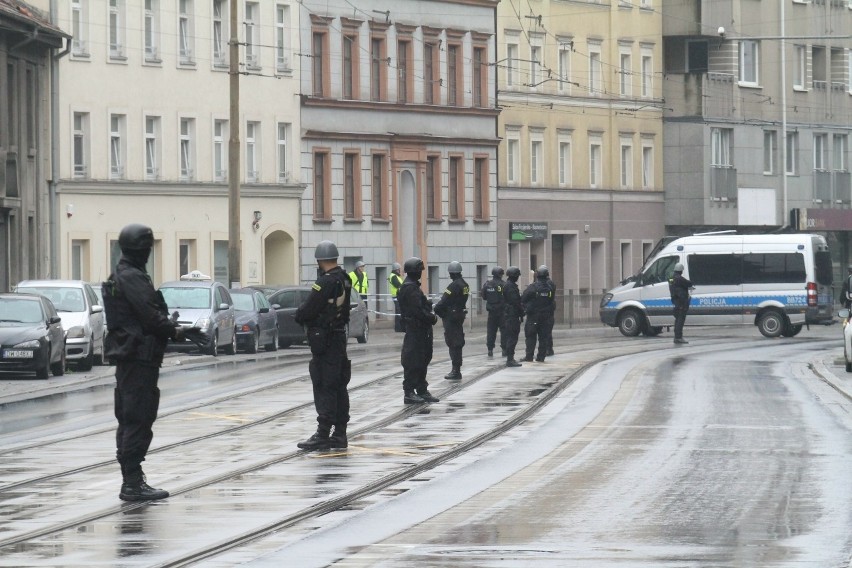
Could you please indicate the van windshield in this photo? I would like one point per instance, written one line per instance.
(660, 271)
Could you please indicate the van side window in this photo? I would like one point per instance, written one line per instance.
(824, 272)
(660, 271)
(715, 269)
(781, 268)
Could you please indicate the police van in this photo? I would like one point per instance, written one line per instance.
(777, 282)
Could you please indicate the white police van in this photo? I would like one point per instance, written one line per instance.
(777, 282)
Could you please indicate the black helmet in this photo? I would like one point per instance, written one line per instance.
(326, 250)
(136, 237)
(454, 267)
(413, 264)
(497, 272)
(542, 271)
(513, 272)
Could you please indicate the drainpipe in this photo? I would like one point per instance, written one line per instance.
(53, 214)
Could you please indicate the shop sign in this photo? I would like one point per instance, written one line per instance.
(527, 231)
(823, 219)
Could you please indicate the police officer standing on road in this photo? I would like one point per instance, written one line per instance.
(552, 319)
(451, 308)
(492, 292)
(139, 329)
(394, 283)
(325, 314)
(418, 319)
(514, 314)
(846, 290)
(359, 280)
(679, 290)
(538, 306)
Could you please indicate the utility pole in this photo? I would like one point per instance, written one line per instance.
(234, 245)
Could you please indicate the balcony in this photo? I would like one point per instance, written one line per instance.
(709, 95)
(842, 186)
(723, 183)
(822, 186)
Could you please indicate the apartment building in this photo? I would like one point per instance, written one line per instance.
(144, 129)
(756, 128)
(580, 180)
(399, 135)
(27, 43)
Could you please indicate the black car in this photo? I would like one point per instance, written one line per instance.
(31, 336)
(255, 320)
(288, 299)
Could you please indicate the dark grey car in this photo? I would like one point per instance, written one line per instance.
(256, 321)
(288, 300)
(31, 336)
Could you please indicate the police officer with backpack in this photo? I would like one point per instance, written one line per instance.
(514, 314)
(538, 305)
(452, 308)
(495, 303)
(418, 319)
(325, 314)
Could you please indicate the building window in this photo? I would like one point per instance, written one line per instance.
(12, 102)
(455, 188)
(186, 255)
(116, 29)
(322, 189)
(595, 71)
(185, 32)
(351, 185)
(152, 30)
(841, 146)
(770, 148)
(564, 67)
(377, 69)
(535, 66)
(565, 161)
(799, 67)
(513, 160)
(81, 144)
(379, 186)
(282, 38)
(402, 70)
(480, 189)
(430, 80)
(79, 259)
(480, 77)
(647, 75)
(821, 152)
(220, 52)
(791, 167)
(624, 74)
(536, 161)
(251, 28)
(433, 187)
(720, 150)
(283, 162)
(454, 75)
(220, 150)
(350, 65)
(595, 161)
(626, 164)
(319, 63)
(512, 63)
(749, 56)
(79, 27)
(187, 149)
(152, 147)
(647, 165)
(116, 146)
(252, 151)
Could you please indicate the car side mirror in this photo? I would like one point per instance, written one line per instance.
(276, 306)
(96, 309)
(53, 320)
(844, 313)
(263, 310)
(223, 306)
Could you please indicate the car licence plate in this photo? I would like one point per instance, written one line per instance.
(17, 354)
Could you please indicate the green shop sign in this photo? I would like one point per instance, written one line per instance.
(527, 231)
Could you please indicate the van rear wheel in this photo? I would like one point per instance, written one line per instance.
(631, 323)
(771, 324)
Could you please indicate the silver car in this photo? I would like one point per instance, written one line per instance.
(82, 318)
(207, 304)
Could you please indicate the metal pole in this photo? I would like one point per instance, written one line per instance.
(234, 278)
(785, 214)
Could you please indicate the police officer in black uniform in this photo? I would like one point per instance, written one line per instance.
(325, 314)
(418, 319)
(139, 329)
(514, 314)
(679, 291)
(538, 306)
(451, 308)
(492, 292)
(552, 319)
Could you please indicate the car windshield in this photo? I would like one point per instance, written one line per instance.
(64, 299)
(13, 310)
(242, 302)
(197, 298)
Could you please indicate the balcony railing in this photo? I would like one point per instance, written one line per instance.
(842, 186)
(822, 186)
(723, 183)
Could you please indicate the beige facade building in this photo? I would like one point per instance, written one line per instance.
(580, 185)
(143, 136)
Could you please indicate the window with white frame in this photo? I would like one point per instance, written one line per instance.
(770, 150)
(535, 65)
(152, 30)
(820, 152)
(595, 70)
(116, 146)
(283, 162)
(595, 161)
(80, 144)
(252, 33)
(186, 41)
(799, 66)
(152, 147)
(512, 63)
(749, 62)
(792, 145)
(187, 149)
(849, 65)
(564, 67)
(536, 158)
(513, 157)
(220, 51)
(252, 151)
(564, 141)
(645, 3)
(626, 163)
(79, 27)
(282, 37)
(220, 150)
(647, 73)
(116, 29)
(838, 155)
(720, 147)
(647, 164)
(624, 73)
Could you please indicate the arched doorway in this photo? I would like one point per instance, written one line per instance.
(408, 214)
(279, 258)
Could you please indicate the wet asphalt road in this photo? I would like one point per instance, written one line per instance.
(731, 451)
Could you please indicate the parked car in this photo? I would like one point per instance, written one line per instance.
(97, 288)
(82, 318)
(288, 299)
(256, 321)
(268, 289)
(201, 301)
(31, 336)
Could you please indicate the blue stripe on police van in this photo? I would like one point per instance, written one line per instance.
(742, 301)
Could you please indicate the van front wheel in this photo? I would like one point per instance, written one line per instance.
(771, 324)
(631, 323)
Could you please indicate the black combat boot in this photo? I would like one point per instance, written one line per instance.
(135, 488)
(412, 397)
(428, 396)
(338, 439)
(528, 359)
(491, 353)
(318, 441)
(512, 363)
(454, 375)
(550, 352)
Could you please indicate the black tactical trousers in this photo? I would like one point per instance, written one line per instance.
(330, 374)
(680, 319)
(538, 328)
(512, 329)
(416, 356)
(454, 336)
(397, 319)
(495, 322)
(137, 399)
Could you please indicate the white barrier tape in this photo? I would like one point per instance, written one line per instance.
(381, 313)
